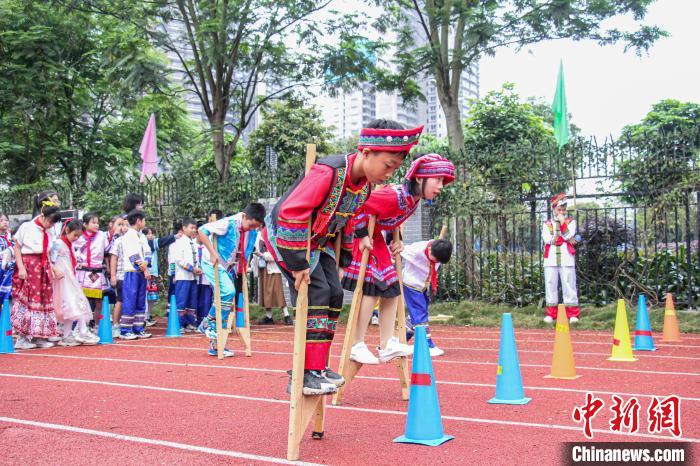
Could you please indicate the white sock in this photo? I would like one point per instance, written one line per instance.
(268, 314)
(81, 327)
(67, 328)
(286, 311)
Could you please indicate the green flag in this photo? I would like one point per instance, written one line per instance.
(561, 117)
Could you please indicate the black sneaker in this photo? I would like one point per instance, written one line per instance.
(288, 320)
(333, 377)
(314, 384)
(266, 321)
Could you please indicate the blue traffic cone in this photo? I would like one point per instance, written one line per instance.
(509, 382)
(643, 340)
(240, 314)
(104, 331)
(6, 344)
(423, 423)
(173, 320)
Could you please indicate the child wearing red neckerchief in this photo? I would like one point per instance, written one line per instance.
(559, 238)
(32, 314)
(421, 261)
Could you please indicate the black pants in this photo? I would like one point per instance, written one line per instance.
(325, 303)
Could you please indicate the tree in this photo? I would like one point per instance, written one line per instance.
(510, 150)
(76, 90)
(239, 54)
(439, 39)
(659, 155)
(286, 128)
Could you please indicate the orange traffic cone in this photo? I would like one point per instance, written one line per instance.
(622, 347)
(563, 358)
(671, 332)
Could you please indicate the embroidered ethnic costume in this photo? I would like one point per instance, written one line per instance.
(559, 262)
(326, 198)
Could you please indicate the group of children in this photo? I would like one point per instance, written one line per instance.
(62, 273)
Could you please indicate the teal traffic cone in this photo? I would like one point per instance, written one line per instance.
(643, 340)
(173, 320)
(240, 314)
(104, 331)
(423, 423)
(509, 382)
(6, 344)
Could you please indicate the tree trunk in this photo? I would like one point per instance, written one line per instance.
(453, 118)
(220, 161)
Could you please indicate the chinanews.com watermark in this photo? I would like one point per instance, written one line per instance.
(613, 453)
(628, 416)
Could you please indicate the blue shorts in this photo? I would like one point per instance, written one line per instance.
(186, 295)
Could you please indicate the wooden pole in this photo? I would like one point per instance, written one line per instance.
(401, 363)
(349, 368)
(301, 407)
(220, 337)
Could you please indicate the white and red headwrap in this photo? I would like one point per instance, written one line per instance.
(559, 199)
(389, 140)
(432, 166)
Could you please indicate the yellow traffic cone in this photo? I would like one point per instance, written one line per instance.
(563, 358)
(622, 347)
(671, 332)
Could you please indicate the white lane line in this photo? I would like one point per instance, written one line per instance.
(353, 408)
(149, 441)
(264, 370)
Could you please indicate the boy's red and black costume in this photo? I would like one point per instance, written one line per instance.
(327, 197)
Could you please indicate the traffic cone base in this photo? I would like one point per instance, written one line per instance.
(173, 320)
(563, 366)
(423, 421)
(521, 401)
(104, 330)
(509, 382)
(429, 443)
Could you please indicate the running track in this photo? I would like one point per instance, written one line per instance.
(165, 401)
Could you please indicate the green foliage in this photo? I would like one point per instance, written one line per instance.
(439, 39)
(286, 128)
(659, 155)
(76, 90)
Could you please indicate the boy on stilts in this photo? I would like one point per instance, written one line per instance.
(235, 241)
(328, 196)
(559, 238)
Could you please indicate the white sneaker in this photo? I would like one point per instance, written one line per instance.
(128, 336)
(375, 320)
(360, 353)
(87, 339)
(548, 320)
(435, 351)
(69, 340)
(24, 343)
(394, 349)
(116, 331)
(43, 343)
(55, 339)
(573, 320)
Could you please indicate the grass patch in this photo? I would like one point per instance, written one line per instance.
(480, 314)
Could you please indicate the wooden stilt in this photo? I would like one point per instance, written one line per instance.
(348, 368)
(221, 333)
(302, 408)
(401, 363)
(244, 332)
